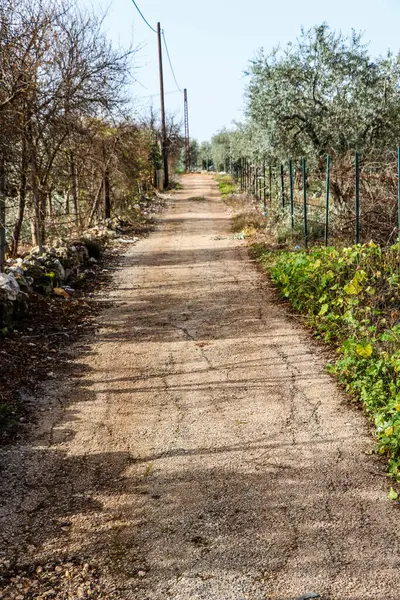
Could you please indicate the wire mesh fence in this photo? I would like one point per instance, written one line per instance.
(346, 200)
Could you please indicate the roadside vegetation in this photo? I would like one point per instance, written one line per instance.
(310, 106)
(72, 150)
(321, 95)
(351, 299)
(226, 185)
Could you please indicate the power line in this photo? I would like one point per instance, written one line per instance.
(141, 14)
(155, 95)
(169, 60)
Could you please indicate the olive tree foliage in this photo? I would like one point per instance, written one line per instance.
(205, 159)
(323, 95)
(221, 150)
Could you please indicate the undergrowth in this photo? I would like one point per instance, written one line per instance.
(351, 298)
(226, 185)
(249, 222)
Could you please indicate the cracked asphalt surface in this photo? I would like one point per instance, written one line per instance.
(203, 453)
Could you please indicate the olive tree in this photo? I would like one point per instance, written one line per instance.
(323, 95)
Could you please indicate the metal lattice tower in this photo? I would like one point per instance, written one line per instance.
(187, 139)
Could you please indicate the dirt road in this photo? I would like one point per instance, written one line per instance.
(202, 453)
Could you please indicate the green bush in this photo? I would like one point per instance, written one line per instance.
(351, 297)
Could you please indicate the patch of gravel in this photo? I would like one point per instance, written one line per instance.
(64, 581)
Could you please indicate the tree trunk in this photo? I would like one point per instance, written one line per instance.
(43, 212)
(2, 213)
(74, 188)
(21, 198)
(106, 185)
(107, 199)
(36, 223)
(66, 198)
(96, 202)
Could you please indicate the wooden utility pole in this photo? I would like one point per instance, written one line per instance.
(187, 138)
(163, 126)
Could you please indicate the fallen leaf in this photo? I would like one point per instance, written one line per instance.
(61, 292)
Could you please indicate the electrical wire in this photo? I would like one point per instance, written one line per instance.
(141, 14)
(169, 60)
(165, 44)
(155, 95)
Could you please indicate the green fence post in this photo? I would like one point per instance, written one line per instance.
(264, 189)
(357, 169)
(398, 202)
(304, 173)
(256, 176)
(270, 185)
(328, 169)
(282, 187)
(291, 194)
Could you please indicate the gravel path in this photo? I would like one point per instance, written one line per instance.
(203, 453)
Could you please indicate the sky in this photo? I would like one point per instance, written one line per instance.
(211, 44)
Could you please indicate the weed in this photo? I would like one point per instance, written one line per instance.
(226, 185)
(174, 184)
(248, 221)
(351, 297)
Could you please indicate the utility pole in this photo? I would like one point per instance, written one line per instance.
(187, 138)
(163, 127)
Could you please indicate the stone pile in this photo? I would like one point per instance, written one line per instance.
(59, 266)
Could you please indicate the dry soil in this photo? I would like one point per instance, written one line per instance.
(202, 453)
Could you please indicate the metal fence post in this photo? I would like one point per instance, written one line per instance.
(270, 185)
(282, 187)
(357, 169)
(398, 203)
(304, 173)
(250, 179)
(291, 195)
(328, 167)
(264, 189)
(256, 178)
